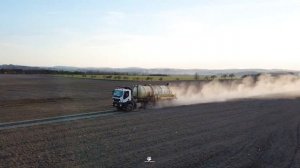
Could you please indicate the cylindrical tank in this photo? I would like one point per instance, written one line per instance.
(153, 92)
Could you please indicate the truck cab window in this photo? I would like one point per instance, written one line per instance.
(126, 94)
(117, 93)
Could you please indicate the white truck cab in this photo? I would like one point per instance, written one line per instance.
(122, 98)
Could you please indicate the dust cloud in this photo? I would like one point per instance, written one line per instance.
(263, 87)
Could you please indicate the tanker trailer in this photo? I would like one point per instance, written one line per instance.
(125, 98)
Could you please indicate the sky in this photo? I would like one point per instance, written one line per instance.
(204, 34)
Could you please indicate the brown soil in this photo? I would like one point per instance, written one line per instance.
(24, 97)
(248, 133)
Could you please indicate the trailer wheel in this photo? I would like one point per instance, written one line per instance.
(144, 105)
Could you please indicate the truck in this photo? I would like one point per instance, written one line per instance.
(128, 99)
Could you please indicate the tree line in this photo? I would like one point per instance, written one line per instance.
(42, 71)
(64, 72)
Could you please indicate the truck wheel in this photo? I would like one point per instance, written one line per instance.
(144, 105)
(129, 107)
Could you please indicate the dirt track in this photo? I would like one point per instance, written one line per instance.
(59, 119)
(249, 133)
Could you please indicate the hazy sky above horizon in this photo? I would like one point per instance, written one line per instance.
(205, 34)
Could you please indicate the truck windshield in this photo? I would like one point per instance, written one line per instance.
(117, 93)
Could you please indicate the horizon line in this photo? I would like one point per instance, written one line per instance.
(53, 66)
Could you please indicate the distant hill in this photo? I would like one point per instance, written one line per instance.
(10, 66)
(136, 70)
(171, 71)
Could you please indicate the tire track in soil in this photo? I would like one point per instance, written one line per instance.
(51, 120)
